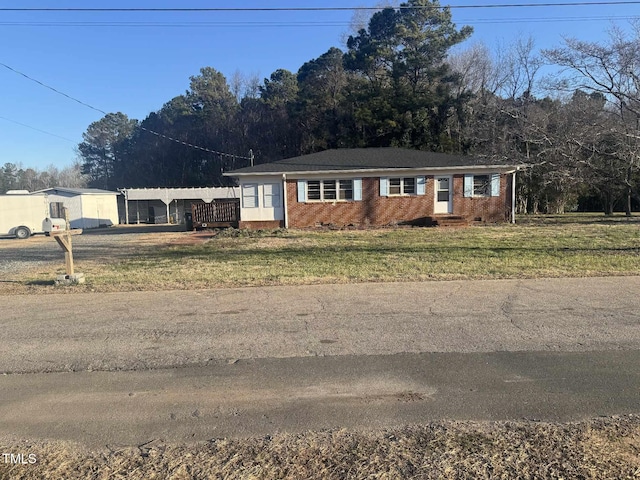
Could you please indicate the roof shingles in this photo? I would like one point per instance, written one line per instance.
(365, 159)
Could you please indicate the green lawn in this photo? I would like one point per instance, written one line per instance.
(537, 247)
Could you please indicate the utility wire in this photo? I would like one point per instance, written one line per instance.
(36, 129)
(299, 24)
(161, 135)
(317, 9)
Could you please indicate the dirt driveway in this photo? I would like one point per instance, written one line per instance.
(103, 244)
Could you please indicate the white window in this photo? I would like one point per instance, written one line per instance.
(250, 195)
(402, 186)
(346, 189)
(314, 190)
(485, 185)
(329, 190)
(481, 185)
(271, 194)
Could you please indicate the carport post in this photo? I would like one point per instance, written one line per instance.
(126, 206)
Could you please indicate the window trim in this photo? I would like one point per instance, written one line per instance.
(277, 195)
(255, 196)
(337, 183)
(493, 186)
(486, 186)
(403, 185)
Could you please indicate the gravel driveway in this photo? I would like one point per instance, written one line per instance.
(16, 256)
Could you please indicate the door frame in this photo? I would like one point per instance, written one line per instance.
(438, 207)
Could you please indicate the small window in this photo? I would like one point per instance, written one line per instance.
(395, 186)
(443, 189)
(56, 210)
(250, 195)
(313, 190)
(409, 186)
(329, 187)
(481, 185)
(272, 195)
(346, 189)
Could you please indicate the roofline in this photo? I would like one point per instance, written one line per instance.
(76, 190)
(508, 168)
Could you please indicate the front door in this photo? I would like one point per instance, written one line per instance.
(444, 195)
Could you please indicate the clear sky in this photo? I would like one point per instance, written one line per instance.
(134, 62)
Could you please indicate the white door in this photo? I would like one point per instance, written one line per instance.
(444, 195)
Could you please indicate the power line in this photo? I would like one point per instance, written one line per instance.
(197, 147)
(301, 24)
(316, 9)
(36, 129)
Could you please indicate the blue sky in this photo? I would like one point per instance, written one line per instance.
(136, 69)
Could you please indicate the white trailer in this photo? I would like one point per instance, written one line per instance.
(23, 215)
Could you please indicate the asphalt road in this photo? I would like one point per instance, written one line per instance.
(131, 367)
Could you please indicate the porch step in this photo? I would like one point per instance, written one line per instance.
(449, 221)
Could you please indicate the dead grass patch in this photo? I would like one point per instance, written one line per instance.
(597, 449)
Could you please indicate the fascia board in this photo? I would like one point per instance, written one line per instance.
(382, 171)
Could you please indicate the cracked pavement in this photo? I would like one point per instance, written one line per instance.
(192, 365)
(145, 330)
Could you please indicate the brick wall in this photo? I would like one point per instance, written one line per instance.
(378, 211)
(484, 209)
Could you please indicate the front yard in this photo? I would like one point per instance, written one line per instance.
(566, 246)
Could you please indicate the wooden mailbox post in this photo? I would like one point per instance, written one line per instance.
(64, 240)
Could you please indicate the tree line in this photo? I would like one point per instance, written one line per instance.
(400, 82)
(16, 177)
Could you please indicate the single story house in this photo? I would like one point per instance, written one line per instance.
(375, 187)
(86, 207)
(166, 205)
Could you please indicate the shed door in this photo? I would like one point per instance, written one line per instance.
(443, 202)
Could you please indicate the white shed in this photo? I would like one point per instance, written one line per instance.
(87, 207)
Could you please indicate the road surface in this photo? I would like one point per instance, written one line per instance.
(184, 366)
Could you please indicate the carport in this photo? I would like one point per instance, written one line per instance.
(167, 205)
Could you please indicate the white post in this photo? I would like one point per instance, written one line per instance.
(284, 200)
(126, 206)
(513, 197)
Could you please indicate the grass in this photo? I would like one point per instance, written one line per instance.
(596, 449)
(539, 247)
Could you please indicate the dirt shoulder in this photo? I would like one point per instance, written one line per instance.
(595, 449)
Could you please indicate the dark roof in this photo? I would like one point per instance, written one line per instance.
(78, 191)
(366, 159)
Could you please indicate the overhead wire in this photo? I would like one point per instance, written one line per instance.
(272, 24)
(35, 128)
(167, 137)
(303, 24)
(313, 9)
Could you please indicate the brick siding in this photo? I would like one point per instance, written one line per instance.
(483, 209)
(375, 210)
